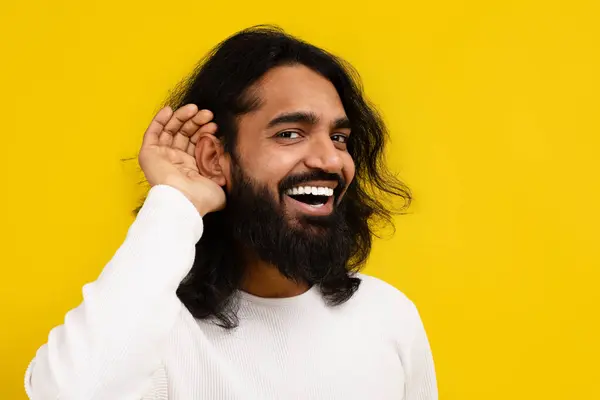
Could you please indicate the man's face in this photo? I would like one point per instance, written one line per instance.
(296, 139)
(295, 143)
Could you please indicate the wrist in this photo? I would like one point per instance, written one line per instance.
(197, 205)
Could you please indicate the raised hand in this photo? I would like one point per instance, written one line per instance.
(167, 155)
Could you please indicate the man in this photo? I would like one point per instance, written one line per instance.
(239, 278)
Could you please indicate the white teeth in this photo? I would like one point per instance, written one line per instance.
(314, 190)
(317, 205)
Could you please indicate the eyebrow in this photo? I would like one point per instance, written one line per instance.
(341, 123)
(307, 118)
(294, 117)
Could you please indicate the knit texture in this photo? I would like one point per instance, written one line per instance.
(131, 338)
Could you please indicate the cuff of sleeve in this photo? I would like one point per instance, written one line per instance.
(167, 203)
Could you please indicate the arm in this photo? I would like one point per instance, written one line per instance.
(421, 383)
(109, 346)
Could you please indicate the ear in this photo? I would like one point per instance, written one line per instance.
(210, 158)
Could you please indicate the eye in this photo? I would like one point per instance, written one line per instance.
(288, 135)
(338, 137)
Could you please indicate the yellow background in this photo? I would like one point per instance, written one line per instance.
(493, 110)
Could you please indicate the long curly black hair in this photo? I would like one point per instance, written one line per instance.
(221, 83)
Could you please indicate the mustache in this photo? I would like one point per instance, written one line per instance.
(316, 175)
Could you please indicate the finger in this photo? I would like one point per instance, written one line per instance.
(165, 139)
(202, 117)
(191, 150)
(208, 129)
(156, 126)
(182, 139)
(178, 118)
(181, 116)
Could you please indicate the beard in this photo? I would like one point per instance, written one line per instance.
(303, 248)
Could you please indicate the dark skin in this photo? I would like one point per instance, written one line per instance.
(300, 126)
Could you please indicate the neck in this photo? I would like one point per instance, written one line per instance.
(264, 280)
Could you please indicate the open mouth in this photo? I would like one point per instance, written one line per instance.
(314, 196)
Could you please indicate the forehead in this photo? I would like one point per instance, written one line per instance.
(298, 88)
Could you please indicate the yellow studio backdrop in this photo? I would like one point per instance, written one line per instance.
(493, 112)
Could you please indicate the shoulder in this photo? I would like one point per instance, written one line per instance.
(397, 319)
(395, 310)
(381, 293)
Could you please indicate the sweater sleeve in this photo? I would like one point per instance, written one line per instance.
(421, 383)
(111, 344)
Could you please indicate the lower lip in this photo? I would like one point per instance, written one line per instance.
(306, 209)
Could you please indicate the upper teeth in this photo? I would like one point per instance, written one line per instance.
(314, 190)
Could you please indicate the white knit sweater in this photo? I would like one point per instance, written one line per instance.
(131, 337)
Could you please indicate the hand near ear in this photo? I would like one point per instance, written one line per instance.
(167, 156)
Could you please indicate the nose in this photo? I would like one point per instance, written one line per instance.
(323, 155)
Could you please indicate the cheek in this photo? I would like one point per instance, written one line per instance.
(270, 169)
(349, 168)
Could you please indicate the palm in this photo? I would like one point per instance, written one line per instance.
(177, 160)
(168, 155)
